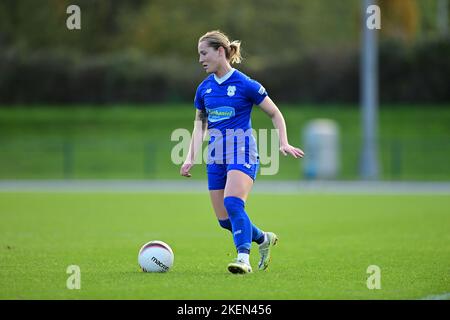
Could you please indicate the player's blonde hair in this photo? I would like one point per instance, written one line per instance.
(217, 39)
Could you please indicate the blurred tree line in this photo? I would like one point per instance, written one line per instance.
(146, 50)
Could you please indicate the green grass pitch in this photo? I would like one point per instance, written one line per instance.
(326, 244)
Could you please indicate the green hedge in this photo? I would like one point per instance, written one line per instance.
(418, 74)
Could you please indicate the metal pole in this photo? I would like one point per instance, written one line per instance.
(369, 168)
(442, 17)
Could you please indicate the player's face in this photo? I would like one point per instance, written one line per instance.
(209, 57)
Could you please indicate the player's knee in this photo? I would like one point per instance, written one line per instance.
(234, 206)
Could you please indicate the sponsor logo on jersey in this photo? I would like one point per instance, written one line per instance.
(220, 113)
(208, 90)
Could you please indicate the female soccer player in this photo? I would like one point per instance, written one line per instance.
(224, 102)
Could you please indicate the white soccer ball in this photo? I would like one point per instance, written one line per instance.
(155, 256)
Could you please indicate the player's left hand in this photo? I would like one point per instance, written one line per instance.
(293, 151)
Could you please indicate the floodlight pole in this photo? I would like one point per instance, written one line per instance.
(442, 17)
(369, 168)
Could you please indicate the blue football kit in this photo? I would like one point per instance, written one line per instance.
(228, 103)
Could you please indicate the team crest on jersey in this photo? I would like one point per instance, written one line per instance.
(231, 91)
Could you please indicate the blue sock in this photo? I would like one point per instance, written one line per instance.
(226, 224)
(240, 223)
(257, 234)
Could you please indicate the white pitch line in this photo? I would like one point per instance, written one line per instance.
(193, 186)
(444, 296)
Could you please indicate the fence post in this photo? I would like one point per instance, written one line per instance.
(149, 159)
(396, 159)
(68, 151)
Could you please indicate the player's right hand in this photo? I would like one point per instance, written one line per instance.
(184, 171)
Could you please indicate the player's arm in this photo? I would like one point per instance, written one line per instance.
(195, 145)
(269, 107)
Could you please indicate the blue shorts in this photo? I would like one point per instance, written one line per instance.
(217, 173)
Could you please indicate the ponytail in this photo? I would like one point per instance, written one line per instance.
(235, 52)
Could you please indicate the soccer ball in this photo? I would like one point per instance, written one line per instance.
(155, 256)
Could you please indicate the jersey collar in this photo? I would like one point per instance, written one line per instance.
(225, 77)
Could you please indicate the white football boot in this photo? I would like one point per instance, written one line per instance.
(270, 240)
(239, 267)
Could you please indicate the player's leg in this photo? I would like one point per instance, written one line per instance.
(217, 200)
(217, 178)
(219, 209)
(236, 192)
(239, 183)
(217, 203)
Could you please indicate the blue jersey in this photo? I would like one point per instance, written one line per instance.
(228, 102)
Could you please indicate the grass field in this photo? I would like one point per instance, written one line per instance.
(126, 142)
(326, 244)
